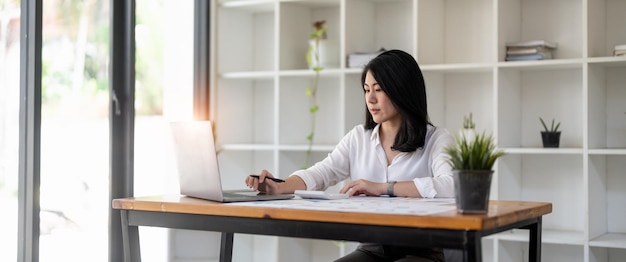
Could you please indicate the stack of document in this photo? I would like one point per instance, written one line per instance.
(529, 50)
(620, 50)
(360, 59)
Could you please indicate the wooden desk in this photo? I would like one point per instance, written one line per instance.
(444, 230)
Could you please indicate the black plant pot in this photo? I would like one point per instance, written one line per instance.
(551, 139)
(471, 190)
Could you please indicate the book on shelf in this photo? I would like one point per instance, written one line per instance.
(619, 50)
(539, 56)
(532, 43)
(360, 59)
(527, 50)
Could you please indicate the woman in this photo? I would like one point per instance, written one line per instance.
(397, 152)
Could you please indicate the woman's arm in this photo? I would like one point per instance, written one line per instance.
(362, 186)
(441, 184)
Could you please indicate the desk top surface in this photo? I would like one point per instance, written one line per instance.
(500, 213)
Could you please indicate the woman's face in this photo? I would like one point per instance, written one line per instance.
(378, 103)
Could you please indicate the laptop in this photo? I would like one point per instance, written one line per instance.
(198, 168)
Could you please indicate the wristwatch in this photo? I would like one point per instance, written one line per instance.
(390, 188)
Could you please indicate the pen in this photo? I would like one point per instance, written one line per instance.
(277, 180)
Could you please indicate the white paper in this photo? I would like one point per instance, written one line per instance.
(363, 204)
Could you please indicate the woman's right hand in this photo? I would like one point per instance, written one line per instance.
(262, 184)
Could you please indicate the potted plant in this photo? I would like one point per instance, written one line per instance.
(468, 127)
(472, 160)
(313, 61)
(550, 136)
(322, 52)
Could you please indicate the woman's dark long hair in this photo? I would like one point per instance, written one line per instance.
(400, 77)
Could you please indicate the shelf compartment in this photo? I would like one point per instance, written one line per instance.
(525, 20)
(606, 254)
(548, 236)
(610, 240)
(518, 252)
(246, 111)
(557, 179)
(371, 25)
(296, 26)
(526, 95)
(452, 32)
(607, 185)
(354, 102)
(253, 47)
(452, 96)
(607, 109)
(605, 26)
(295, 116)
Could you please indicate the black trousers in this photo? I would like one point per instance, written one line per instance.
(385, 253)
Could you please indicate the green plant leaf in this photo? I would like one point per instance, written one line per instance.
(468, 123)
(478, 154)
(318, 34)
(308, 91)
(309, 56)
(556, 129)
(544, 124)
(314, 109)
(553, 128)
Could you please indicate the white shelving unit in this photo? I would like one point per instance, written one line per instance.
(262, 119)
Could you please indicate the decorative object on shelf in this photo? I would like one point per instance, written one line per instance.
(619, 50)
(472, 161)
(469, 126)
(360, 59)
(322, 52)
(551, 136)
(312, 59)
(529, 50)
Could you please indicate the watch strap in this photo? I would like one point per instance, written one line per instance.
(390, 188)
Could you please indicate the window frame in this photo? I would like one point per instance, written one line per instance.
(121, 113)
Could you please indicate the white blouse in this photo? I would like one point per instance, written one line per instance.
(359, 155)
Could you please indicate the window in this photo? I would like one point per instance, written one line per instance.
(75, 165)
(74, 131)
(9, 124)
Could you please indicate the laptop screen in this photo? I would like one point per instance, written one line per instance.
(196, 159)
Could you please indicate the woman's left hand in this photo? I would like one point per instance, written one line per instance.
(361, 186)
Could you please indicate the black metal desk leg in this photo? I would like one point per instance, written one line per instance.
(130, 237)
(473, 251)
(226, 252)
(535, 241)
